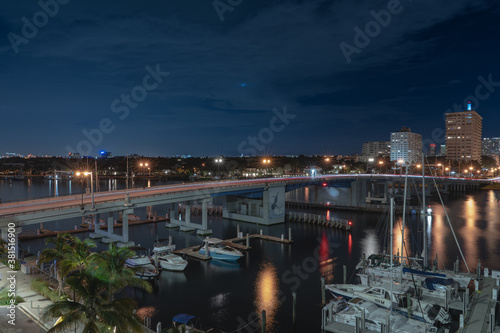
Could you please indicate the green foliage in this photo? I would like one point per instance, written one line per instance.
(6, 300)
(43, 288)
(17, 264)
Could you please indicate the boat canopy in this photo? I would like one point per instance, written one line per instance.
(435, 283)
(183, 318)
(213, 240)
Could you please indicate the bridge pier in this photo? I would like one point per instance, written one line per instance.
(267, 211)
(186, 225)
(109, 236)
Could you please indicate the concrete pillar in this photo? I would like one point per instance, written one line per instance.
(125, 226)
(110, 222)
(204, 214)
(187, 214)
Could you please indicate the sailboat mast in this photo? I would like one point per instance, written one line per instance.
(404, 219)
(423, 214)
(392, 250)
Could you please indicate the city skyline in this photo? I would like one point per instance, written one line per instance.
(260, 78)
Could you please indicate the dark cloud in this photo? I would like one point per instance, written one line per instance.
(227, 76)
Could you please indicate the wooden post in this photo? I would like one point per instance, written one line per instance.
(323, 298)
(345, 274)
(263, 321)
(294, 297)
(290, 234)
(248, 239)
(238, 230)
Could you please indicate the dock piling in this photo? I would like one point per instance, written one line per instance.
(289, 233)
(345, 274)
(263, 321)
(238, 231)
(294, 297)
(158, 327)
(323, 298)
(248, 239)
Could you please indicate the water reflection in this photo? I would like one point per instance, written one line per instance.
(266, 293)
(224, 266)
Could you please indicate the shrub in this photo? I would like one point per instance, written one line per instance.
(5, 299)
(43, 288)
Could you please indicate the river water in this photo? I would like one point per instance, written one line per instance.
(229, 296)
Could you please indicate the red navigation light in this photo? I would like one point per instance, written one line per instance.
(324, 184)
(349, 223)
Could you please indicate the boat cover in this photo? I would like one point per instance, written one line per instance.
(183, 318)
(419, 272)
(435, 283)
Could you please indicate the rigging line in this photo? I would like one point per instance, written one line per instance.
(448, 218)
(415, 287)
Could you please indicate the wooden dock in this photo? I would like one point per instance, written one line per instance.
(233, 242)
(51, 233)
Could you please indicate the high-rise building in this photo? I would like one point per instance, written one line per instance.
(432, 150)
(463, 135)
(374, 149)
(442, 151)
(406, 146)
(491, 147)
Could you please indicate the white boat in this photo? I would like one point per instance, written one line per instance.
(220, 251)
(380, 295)
(369, 316)
(377, 265)
(141, 264)
(167, 260)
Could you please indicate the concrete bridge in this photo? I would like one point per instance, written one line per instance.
(257, 201)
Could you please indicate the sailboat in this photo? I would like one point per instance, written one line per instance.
(377, 265)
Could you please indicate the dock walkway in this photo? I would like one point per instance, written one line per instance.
(233, 242)
(477, 319)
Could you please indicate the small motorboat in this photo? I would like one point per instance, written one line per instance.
(166, 259)
(219, 251)
(141, 264)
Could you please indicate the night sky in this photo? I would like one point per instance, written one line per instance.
(200, 77)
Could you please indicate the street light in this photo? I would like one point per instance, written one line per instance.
(86, 173)
(381, 163)
(401, 162)
(266, 162)
(218, 161)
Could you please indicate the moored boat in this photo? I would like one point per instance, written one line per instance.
(218, 250)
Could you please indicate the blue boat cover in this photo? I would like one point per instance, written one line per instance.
(183, 318)
(431, 283)
(419, 272)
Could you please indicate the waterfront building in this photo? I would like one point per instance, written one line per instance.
(373, 149)
(406, 146)
(490, 147)
(432, 150)
(463, 135)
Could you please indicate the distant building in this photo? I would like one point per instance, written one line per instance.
(74, 155)
(442, 151)
(432, 150)
(406, 146)
(463, 134)
(490, 147)
(374, 149)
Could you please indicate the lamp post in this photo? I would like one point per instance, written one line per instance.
(218, 161)
(470, 173)
(327, 162)
(380, 163)
(86, 173)
(266, 162)
(401, 162)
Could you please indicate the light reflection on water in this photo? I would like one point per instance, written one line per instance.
(266, 293)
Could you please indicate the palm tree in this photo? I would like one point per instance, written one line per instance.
(76, 255)
(110, 266)
(57, 254)
(95, 310)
